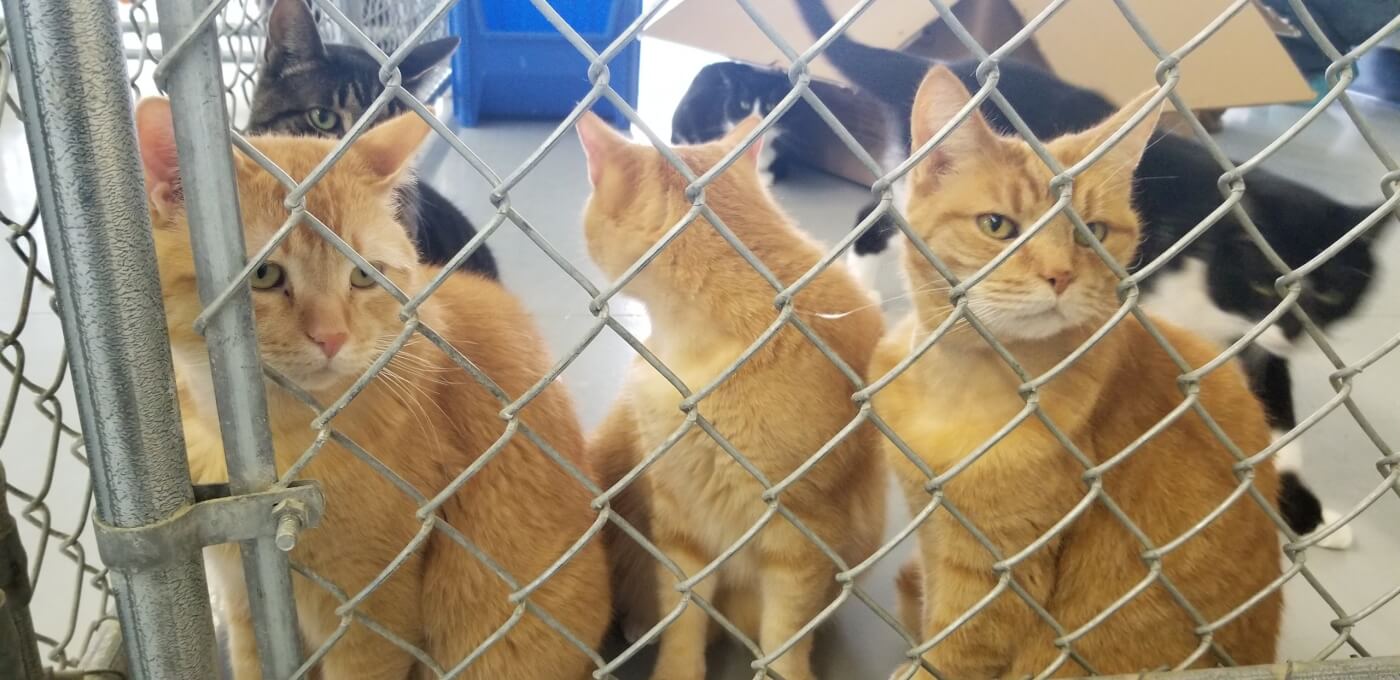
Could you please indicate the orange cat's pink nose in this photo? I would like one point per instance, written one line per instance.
(330, 343)
(1060, 280)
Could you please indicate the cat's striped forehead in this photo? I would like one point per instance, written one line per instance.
(1016, 181)
(353, 202)
(1024, 184)
(1023, 187)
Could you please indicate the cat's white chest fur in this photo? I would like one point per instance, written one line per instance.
(1182, 297)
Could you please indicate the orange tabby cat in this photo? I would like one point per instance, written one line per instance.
(969, 199)
(321, 321)
(707, 306)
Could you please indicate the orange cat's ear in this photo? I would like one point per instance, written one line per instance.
(155, 136)
(389, 147)
(1128, 151)
(244, 164)
(600, 143)
(739, 132)
(940, 98)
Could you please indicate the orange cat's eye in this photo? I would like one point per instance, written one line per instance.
(268, 275)
(1098, 229)
(998, 226)
(360, 278)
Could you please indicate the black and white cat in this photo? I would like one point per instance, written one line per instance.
(307, 87)
(1220, 286)
(701, 116)
(725, 93)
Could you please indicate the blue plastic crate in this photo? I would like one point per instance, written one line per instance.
(513, 64)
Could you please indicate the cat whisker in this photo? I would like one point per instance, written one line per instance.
(408, 385)
(929, 288)
(425, 377)
(398, 386)
(430, 398)
(425, 370)
(407, 357)
(421, 363)
(1133, 166)
(614, 315)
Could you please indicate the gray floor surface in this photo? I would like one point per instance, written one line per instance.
(1341, 462)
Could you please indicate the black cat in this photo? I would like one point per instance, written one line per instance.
(306, 87)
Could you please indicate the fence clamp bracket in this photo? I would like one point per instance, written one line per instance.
(215, 517)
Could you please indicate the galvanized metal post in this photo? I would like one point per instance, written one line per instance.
(191, 73)
(77, 110)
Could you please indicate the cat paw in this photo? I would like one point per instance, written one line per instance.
(1342, 538)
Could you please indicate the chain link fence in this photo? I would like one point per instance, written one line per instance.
(175, 47)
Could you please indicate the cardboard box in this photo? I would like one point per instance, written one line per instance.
(1086, 42)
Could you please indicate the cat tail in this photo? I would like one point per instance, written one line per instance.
(908, 584)
(888, 75)
(613, 450)
(892, 78)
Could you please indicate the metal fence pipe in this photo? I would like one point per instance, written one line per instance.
(191, 74)
(77, 110)
(1332, 669)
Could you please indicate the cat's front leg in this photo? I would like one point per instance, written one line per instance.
(242, 643)
(224, 570)
(1038, 653)
(958, 579)
(794, 592)
(975, 649)
(682, 653)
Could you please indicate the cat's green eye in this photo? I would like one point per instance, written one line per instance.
(1264, 289)
(360, 278)
(324, 120)
(267, 276)
(998, 226)
(1098, 229)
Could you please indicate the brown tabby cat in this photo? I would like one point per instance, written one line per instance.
(321, 322)
(707, 306)
(969, 199)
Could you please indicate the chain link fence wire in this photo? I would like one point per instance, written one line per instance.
(36, 389)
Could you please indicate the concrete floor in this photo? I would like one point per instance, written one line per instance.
(1340, 465)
